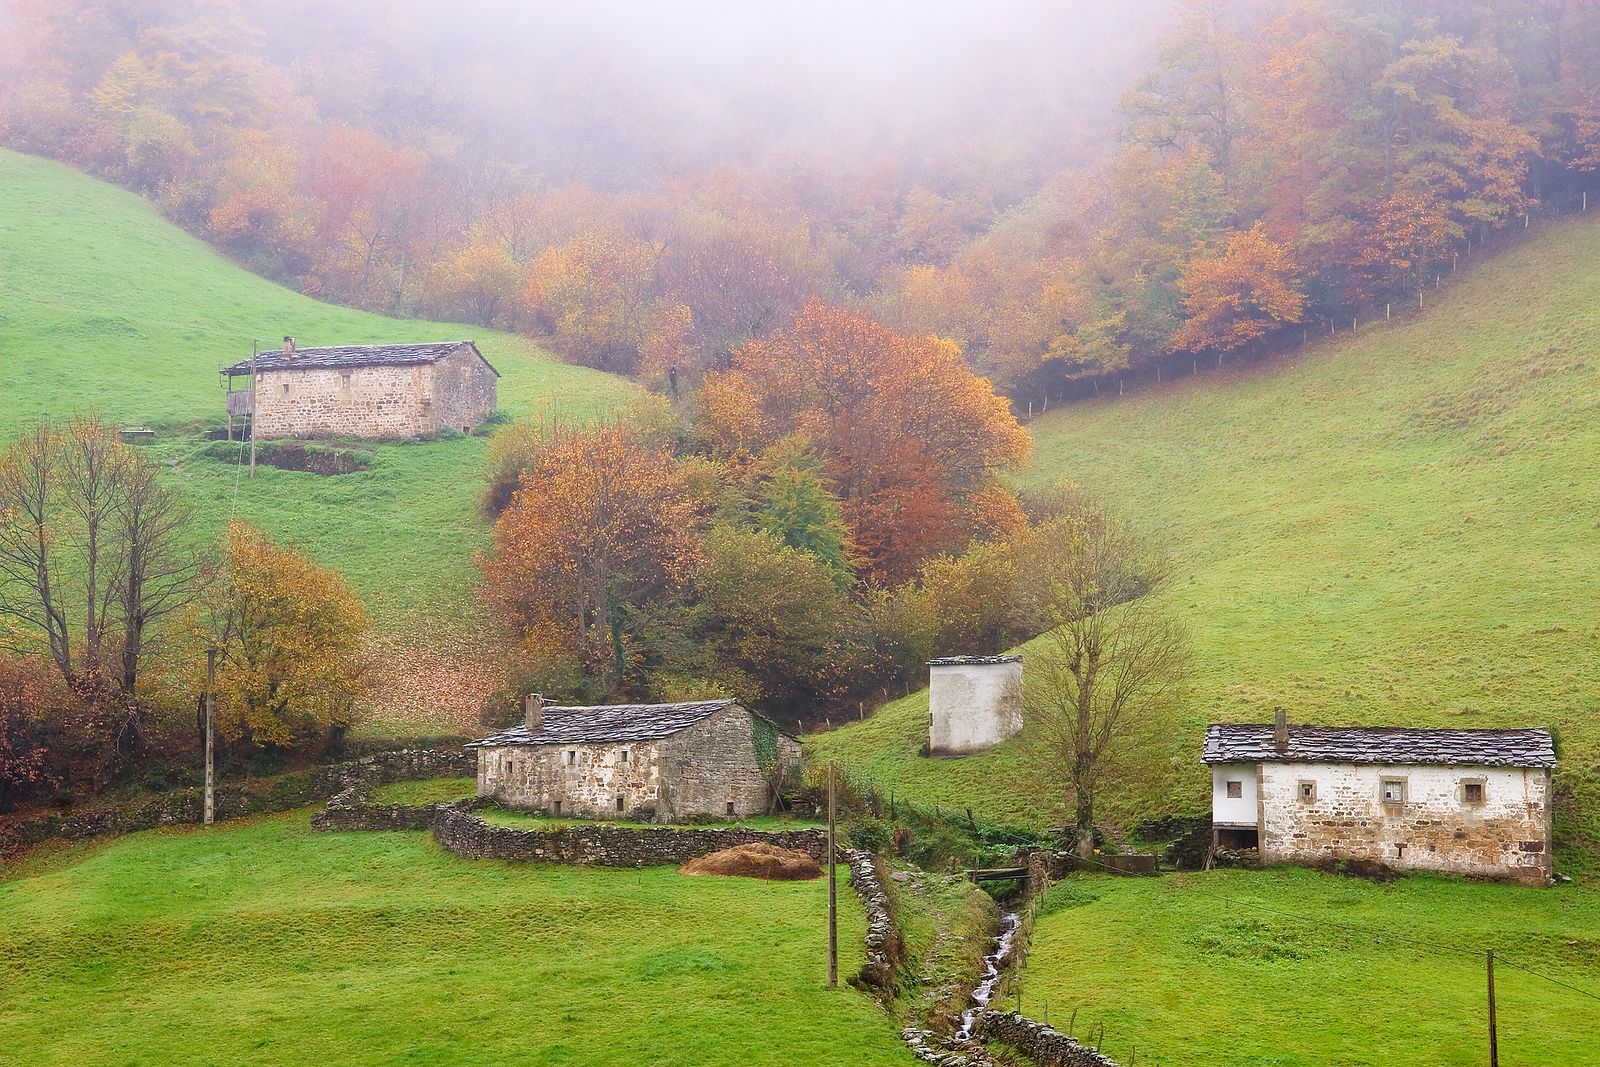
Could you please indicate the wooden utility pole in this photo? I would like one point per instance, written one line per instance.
(833, 894)
(1494, 1038)
(254, 345)
(211, 699)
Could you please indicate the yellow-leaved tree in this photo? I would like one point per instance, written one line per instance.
(290, 637)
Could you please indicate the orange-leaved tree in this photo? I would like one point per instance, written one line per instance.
(1239, 296)
(910, 438)
(601, 525)
(291, 636)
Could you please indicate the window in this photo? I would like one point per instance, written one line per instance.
(619, 803)
(1472, 791)
(344, 379)
(730, 807)
(1393, 791)
(558, 807)
(285, 388)
(572, 757)
(624, 756)
(1235, 790)
(1308, 791)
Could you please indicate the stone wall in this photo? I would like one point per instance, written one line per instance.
(1043, 1045)
(235, 800)
(712, 769)
(605, 845)
(591, 781)
(382, 402)
(1506, 834)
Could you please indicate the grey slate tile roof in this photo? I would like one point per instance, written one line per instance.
(1253, 743)
(336, 356)
(965, 661)
(607, 722)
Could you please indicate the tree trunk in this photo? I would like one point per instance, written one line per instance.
(1083, 832)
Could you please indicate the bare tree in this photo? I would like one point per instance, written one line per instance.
(1112, 655)
(159, 573)
(88, 532)
(29, 592)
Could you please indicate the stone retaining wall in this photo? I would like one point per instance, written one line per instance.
(236, 800)
(1043, 1045)
(884, 948)
(604, 845)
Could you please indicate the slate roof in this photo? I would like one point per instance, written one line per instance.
(969, 661)
(338, 356)
(1253, 743)
(607, 722)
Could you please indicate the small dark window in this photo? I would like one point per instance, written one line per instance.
(619, 803)
(572, 758)
(1393, 791)
(730, 807)
(1308, 791)
(1472, 792)
(466, 430)
(624, 756)
(558, 807)
(1235, 790)
(285, 388)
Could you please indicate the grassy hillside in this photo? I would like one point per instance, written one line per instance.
(1399, 527)
(266, 943)
(1296, 968)
(108, 307)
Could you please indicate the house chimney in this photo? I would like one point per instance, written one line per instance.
(288, 348)
(533, 711)
(1280, 730)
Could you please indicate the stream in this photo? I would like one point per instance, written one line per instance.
(993, 964)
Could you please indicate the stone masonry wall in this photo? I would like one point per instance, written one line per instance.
(1506, 835)
(236, 800)
(1043, 1045)
(583, 780)
(603, 845)
(713, 765)
(464, 392)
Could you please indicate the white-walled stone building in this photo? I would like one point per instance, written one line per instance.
(394, 392)
(709, 758)
(974, 703)
(1474, 802)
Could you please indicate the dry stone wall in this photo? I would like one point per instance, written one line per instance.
(1044, 1045)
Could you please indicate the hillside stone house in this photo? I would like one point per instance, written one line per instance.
(974, 703)
(711, 758)
(394, 392)
(1473, 802)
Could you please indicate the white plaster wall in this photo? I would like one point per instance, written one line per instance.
(973, 706)
(1432, 830)
(1240, 811)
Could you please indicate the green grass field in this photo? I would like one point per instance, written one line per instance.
(264, 943)
(108, 307)
(1401, 527)
(1192, 969)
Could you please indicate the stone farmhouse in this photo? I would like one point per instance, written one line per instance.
(710, 758)
(1473, 802)
(974, 703)
(394, 392)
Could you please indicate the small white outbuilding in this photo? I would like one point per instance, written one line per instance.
(974, 703)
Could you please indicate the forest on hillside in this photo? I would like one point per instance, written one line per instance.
(1117, 186)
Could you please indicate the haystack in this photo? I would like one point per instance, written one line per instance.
(759, 860)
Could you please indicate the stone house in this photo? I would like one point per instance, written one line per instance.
(974, 703)
(403, 391)
(1474, 802)
(710, 758)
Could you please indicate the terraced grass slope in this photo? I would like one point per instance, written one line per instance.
(105, 306)
(265, 943)
(1288, 968)
(1397, 527)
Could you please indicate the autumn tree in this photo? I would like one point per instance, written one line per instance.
(593, 294)
(1240, 296)
(602, 526)
(291, 637)
(1111, 657)
(908, 435)
(477, 282)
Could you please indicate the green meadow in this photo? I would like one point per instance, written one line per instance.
(263, 942)
(1294, 968)
(108, 307)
